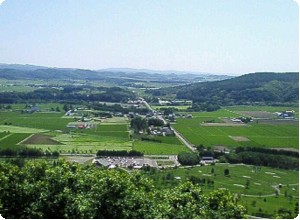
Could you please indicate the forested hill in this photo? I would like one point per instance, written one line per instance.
(267, 88)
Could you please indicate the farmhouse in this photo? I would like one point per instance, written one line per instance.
(287, 114)
(236, 120)
(167, 131)
(205, 160)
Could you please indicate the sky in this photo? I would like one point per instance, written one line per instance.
(213, 36)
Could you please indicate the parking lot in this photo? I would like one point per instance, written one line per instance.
(135, 162)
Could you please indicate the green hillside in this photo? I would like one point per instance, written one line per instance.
(249, 88)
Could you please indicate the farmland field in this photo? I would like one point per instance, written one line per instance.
(15, 129)
(271, 109)
(112, 135)
(48, 121)
(85, 143)
(268, 135)
(148, 147)
(11, 140)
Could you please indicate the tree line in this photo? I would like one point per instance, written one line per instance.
(113, 94)
(262, 159)
(27, 152)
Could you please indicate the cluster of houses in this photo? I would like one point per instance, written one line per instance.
(163, 131)
(82, 125)
(174, 102)
(138, 103)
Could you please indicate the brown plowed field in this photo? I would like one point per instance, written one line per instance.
(41, 139)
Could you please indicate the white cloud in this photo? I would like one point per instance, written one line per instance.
(1, 1)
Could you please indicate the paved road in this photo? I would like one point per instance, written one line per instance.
(178, 135)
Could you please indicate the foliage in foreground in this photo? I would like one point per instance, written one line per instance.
(65, 190)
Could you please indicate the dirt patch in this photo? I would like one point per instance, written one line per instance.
(41, 139)
(239, 138)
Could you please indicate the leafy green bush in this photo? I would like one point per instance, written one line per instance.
(69, 190)
(186, 158)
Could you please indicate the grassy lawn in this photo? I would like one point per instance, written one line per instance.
(261, 184)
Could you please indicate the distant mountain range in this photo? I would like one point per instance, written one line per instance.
(18, 71)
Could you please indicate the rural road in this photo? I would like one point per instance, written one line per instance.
(177, 134)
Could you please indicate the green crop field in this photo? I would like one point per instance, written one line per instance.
(148, 148)
(168, 140)
(3, 134)
(111, 127)
(263, 182)
(48, 121)
(11, 140)
(268, 135)
(15, 129)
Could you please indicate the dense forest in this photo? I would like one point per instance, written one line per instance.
(39, 189)
(264, 88)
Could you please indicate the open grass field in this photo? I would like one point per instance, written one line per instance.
(268, 135)
(263, 183)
